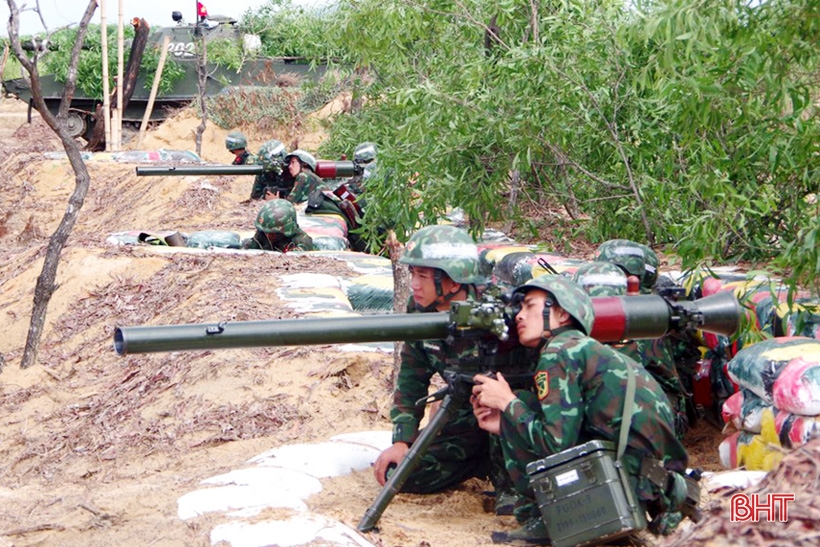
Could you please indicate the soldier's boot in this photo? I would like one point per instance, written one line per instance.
(532, 532)
(504, 502)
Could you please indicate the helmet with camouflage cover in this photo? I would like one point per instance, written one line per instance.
(650, 276)
(365, 152)
(626, 254)
(446, 248)
(568, 294)
(277, 216)
(306, 158)
(235, 141)
(601, 279)
(272, 154)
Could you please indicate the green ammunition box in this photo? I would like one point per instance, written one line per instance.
(582, 496)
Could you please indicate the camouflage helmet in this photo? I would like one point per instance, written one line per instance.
(272, 153)
(601, 279)
(235, 141)
(650, 276)
(365, 152)
(305, 158)
(630, 256)
(568, 294)
(277, 216)
(446, 248)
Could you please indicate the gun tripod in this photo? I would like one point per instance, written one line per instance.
(452, 397)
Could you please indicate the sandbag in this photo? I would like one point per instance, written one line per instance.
(516, 268)
(797, 388)
(758, 366)
(370, 294)
(214, 238)
(794, 430)
(329, 243)
(755, 452)
(744, 410)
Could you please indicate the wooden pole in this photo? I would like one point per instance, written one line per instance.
(106, 112)
(120, 70)
(154, 87)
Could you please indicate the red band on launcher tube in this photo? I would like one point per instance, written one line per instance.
(610, 319)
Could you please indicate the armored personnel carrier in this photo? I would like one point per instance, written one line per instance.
(255, 71)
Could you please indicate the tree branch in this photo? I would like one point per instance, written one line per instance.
(45, 285)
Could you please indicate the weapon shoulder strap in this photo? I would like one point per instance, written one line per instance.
(629, 408)
(626, 422)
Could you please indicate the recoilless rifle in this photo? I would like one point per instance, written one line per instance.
(327, 169)
(488, 321)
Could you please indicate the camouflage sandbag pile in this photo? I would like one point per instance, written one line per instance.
(778, 404)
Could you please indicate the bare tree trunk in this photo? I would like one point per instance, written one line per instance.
(515, 185)
(401, 289)
(129, 84)
(202, 82)
(45, 286)
(534, 21)
(356, 99)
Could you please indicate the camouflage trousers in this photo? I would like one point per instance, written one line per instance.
(517, 457)
(461, 451)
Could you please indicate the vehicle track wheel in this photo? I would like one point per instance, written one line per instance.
(75, 123)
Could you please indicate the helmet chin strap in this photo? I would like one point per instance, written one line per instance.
(440, 296)
(549, 334)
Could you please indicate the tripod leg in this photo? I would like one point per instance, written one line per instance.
(408, 464)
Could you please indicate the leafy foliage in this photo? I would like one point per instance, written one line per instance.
(684, 123)
(293, 31)
(89, 69)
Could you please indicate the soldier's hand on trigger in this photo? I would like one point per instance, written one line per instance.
(489, 419)
(492, 392)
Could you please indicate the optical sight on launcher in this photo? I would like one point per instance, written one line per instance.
(488, 320)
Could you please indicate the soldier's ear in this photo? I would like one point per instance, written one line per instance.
(563, 317)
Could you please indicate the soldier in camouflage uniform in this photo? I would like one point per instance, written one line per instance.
(580, 386)
(660, 356)
(444, 267)
(237, 144)
(277, 229)
(275, 182)
(302, 167)
(364, 157)
(633, 258)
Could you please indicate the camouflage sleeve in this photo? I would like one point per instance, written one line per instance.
(558, 425)
(259, 185)
(253, 242)
(301, 189)
(302, 242)
(412, 384)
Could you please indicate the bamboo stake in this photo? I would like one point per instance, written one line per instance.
(106, 84)
(120, 55)
(154, 87)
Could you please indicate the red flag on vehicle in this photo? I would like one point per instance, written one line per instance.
(201, 11)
